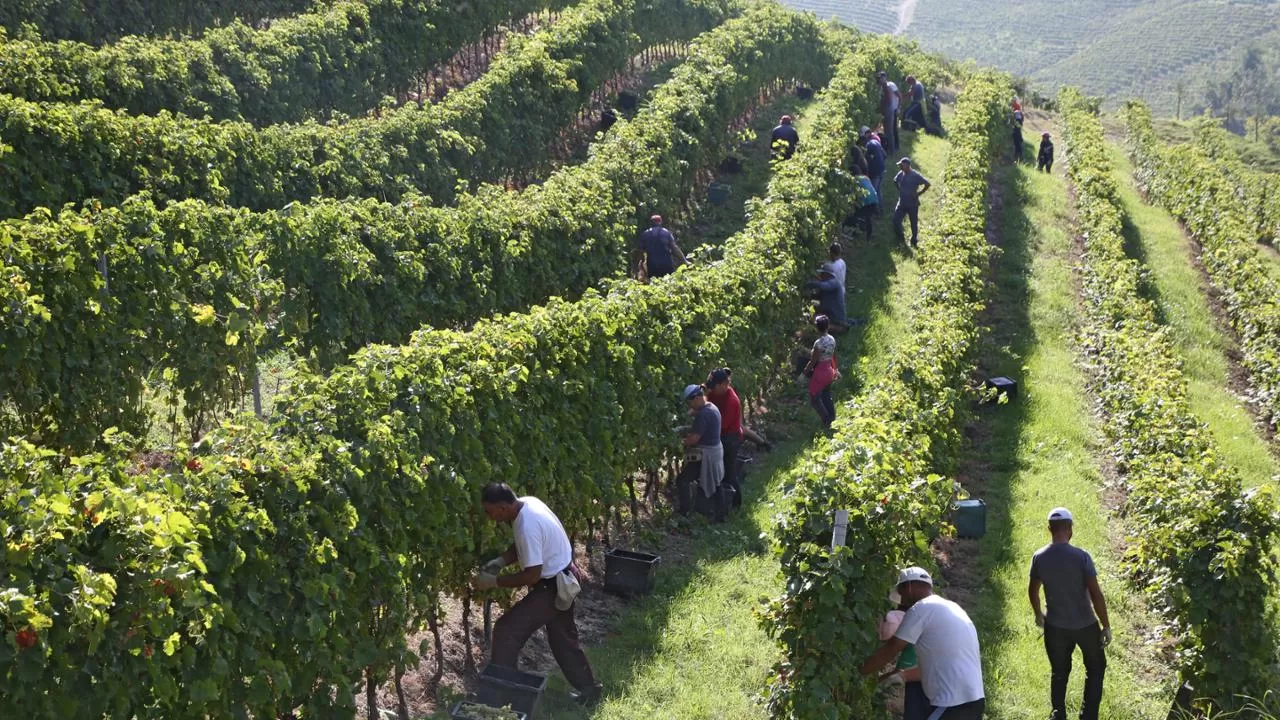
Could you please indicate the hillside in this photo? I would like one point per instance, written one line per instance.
(1116, 48)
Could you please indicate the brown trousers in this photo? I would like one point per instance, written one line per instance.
(538, 609)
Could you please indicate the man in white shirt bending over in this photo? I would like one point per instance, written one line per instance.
(543, 550)
(946, 645)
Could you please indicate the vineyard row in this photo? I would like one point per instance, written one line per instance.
(343, 57)
(881, 462)
(98, 22)
(276, 565)
(98, 300)
(1195, 538)
(501, 124)
(1193, 188)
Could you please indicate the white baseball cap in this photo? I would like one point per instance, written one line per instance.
(914, 574)
(1060, 513)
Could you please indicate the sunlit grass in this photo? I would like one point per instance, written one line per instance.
(1181, 295)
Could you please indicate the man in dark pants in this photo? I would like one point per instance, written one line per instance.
(946, 644)
(656, 253)
(911, 185)
(1044, 161)
(1071, 591)
(543, 550)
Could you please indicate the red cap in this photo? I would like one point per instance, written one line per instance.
(786, 119)
(655, 219)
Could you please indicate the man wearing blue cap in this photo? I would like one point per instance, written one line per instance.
(1071, 591)
(703, 453)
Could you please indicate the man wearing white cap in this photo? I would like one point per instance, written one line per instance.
(946, 645)
(1071, 591)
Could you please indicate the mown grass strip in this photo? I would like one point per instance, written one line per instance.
(1154, 238)
(1196, 540)
(1037, 452)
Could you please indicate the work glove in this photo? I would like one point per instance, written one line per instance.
(485, 581)
(1106, 636)
(494, 566)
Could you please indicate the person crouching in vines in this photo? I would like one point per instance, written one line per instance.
(700, 484)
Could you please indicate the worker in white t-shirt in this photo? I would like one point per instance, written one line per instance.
(946, 644)
(544, 552)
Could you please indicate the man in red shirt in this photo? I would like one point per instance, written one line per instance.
(721, 394)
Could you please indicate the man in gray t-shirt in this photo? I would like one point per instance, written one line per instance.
(1070, 583)
(911, 185)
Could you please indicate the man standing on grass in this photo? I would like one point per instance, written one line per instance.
(946, 644)
(545, 555)
(911, 185)
(1071, 592)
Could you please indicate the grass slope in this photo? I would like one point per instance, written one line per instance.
(1117, 48)
(694, 649)
(1036, 453)
(1154, 238)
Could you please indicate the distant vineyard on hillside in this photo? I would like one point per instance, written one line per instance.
(1116, 48)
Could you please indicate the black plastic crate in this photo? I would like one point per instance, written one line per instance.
(630, 573)
(502, 686)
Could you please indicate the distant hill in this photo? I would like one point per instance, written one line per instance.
(1113, 48)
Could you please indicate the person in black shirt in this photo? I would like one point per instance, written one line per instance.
(1045, 159)
(656, 253)
(785, 133)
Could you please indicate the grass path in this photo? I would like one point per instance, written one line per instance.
(1035, 453)
(1179, 288)
(694, 648)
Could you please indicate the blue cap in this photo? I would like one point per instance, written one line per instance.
(692, 392)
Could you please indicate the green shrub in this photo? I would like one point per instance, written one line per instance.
(300, 555)
(192, 290)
